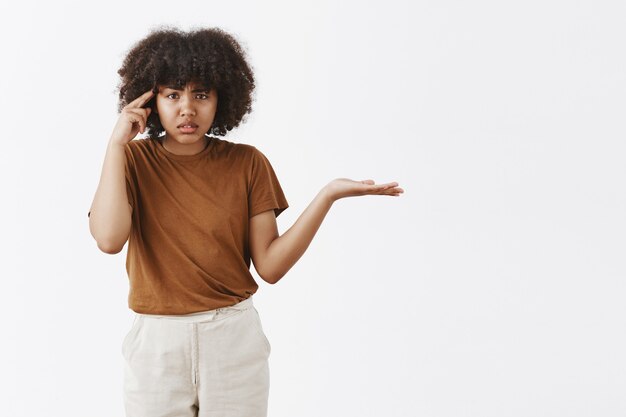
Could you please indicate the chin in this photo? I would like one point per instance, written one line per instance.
(188, 138)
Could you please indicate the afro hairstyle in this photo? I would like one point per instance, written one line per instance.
(209, 56)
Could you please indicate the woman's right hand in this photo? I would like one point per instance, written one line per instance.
(132, 120)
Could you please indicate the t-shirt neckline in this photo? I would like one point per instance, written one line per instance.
(170, 155)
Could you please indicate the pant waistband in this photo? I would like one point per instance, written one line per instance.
(208, 315)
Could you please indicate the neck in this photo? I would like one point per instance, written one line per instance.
(177, 148)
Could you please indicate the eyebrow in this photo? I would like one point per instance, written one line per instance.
(197, 90)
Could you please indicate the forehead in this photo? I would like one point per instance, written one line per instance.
(192, 85)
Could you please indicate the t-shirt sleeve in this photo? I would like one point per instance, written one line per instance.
(264, 192)
(130, 189)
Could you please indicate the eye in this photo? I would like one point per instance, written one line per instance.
(204, 96)
(172, 94)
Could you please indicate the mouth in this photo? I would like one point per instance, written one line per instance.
(187, 124)
(188, 127)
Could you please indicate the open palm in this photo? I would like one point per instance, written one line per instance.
(345, 187)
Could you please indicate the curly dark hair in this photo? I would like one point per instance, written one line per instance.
(209, 56)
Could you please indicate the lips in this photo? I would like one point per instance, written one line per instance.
(188, 124)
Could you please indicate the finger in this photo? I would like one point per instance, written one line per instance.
(386, 187)
(142, 99)
(143, 113)
(395, 191)
(383, 187)
(138, 116)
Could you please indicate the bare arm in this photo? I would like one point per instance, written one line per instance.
(274, 255)
(110, 214)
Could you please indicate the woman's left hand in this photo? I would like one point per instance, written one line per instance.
(344, 187)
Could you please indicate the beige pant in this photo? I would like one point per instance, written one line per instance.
(208, 364)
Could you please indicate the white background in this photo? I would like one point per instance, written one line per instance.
(494, 286)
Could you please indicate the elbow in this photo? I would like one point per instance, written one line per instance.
(266, 277)
(263, 273)
(109, 240)
(111, 245)
(110, 248)
(272, 279)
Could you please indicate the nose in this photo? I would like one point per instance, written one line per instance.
(187, 106)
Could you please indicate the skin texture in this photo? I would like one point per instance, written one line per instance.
(169, 56)
(274, 255)
(185, 60)
(110, 213)
(175, 105)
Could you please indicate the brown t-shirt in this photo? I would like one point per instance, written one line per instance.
(188, 247)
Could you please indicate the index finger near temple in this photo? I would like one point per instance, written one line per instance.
(142, 99)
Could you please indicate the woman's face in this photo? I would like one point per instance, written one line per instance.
(186, 114)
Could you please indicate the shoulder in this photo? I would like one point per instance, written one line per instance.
(242, 151)
(244, 148)
(139, 152)
(139, 145)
